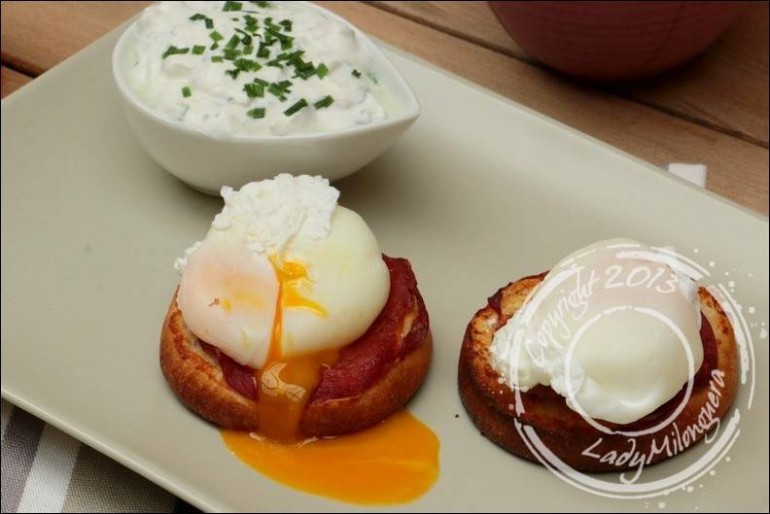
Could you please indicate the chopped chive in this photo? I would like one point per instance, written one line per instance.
(287, 43)
(301, 104)
(234, 18)
(254, 90)
(197, 16)
(263, 51)
(256, 113)
(251, 23)
(292, 57)
(286, 24)
(209, 23)
(186, 92)
(248, 50)
(233, 42)
(247, 65)
(324, 102)
(233, 73)
(214, 46)
(261, 4)
(246, 39)
(198, 49)
(232, 6)
(261, 82)
(322, 71)
(277, 91)
(172, 50)
(217, 58)
(356, 74)
(275, 31)
(306, 72)
(231, 54)
(216, 36)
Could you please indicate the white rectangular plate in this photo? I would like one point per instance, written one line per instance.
(478, 193)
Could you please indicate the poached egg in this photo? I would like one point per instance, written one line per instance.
(613, 327)
(284, 278)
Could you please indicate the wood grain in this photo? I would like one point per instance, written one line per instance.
(725, 88)
(11, 80)
(738, 170)
(36, 36)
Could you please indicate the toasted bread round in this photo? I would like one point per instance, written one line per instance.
(198, 381)
(492, 405)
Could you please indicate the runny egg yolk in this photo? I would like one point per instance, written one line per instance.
(286, 383)
(395, 461)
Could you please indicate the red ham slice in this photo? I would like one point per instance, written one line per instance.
(241, 378)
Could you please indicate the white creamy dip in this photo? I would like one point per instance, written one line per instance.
(252, 68)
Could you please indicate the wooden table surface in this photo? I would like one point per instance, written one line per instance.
(713, 110)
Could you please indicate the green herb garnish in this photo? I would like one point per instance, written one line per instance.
(186, 92)
(256, 113)
(322, 71)
(216, 36)
(247, 65)
(198, 49)
(263, 51)
(277, 91)
(356, 74)
(252, 24)
(232, 6)
(233, 73)
(197, 16)
(296, 107)
(209, 23)
(217, 58)
(246, 39)
(233, 42)
(254, 90)
(286, 24)
(231, 54)
(172, 50)
(324, 102)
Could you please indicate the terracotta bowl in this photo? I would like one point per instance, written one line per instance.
(610, 41)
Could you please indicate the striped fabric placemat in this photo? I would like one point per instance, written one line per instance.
(45, 470)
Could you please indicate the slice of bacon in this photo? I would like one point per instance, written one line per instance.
(365, 360)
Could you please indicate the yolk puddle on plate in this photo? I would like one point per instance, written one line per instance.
(395, 461)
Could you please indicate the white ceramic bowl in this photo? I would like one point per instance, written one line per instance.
(207, 163)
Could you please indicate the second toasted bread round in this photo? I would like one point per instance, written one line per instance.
(492, 405)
